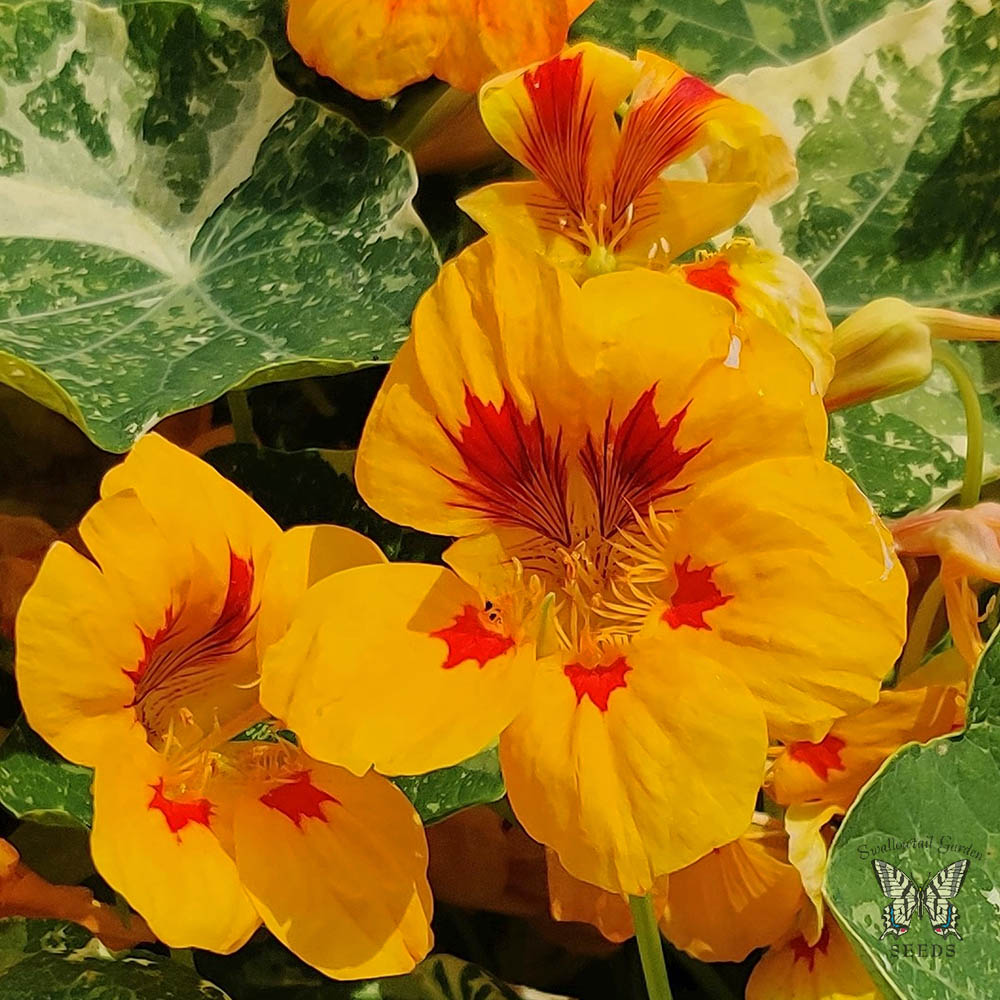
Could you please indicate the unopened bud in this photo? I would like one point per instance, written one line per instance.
(886, 348)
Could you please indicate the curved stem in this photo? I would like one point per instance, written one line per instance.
(647, 934)
(972, 482)
(239, 410)
(920, 628)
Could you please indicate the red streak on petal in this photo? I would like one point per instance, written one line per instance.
(656, 132)
(298, 798)
(713, 276)
(179, 813)
(695, 594)
(822, 757)
(469, 638)
(517, 472)
(558, 135)
(807, 952)
(635, 463)
(150, 643)
(597, 683)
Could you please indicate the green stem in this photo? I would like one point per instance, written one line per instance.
(920, 629)
(972, 482)
(647, 934)
(239, 410)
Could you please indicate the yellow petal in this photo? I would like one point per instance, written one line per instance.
(834, 769)
(830, 970)
(808, 844)
(621, 771)
(337, 867)
(304, 555)
(573, 900)
(397, 667)
(775, 289)
(75, 640)
(558, 119)
(739, 897)
(672, 216)
(673, 114)
(180, 880)
(741, 570)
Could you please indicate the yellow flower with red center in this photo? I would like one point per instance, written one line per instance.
(626, 448)
(599, 199)
(143, 664)
(376, 49)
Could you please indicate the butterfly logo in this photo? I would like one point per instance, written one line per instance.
(932, 899)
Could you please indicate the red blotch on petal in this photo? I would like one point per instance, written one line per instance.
(822, 757)
(807, 952)
(470, 638)
(517, 472)
(713, 276)
(635, 463)
(557, 138)
(696, 593)
(597, 683)
(179, 813)
(298, 798)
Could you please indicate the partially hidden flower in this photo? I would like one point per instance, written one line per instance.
(24, 893)
(23, 542)
(374, 49)
(967, 543)
(599, 199)
(644, 519)
(828, 969)
(143, 664)
(886, 347)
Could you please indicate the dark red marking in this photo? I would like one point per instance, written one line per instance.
(635, 462)
(696, 593)
(597, 683)
(517, 472)
(822, 757)
(469, 638)
(713, 276)
(557, 138)
(807, 952)
(165, 661)
(656, 132)
(298, 798)
(178, 813)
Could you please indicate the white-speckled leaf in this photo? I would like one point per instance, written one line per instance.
(173, 223)
(941, 797)
(439, 794)
(55, 960)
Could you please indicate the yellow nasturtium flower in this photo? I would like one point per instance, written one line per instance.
(376, 47)
(600, 199)
(143, 665)
(626, 448)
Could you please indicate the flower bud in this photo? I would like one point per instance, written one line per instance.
(886, 348)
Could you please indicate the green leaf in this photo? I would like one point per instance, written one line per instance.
(304, 488)
(442, 793)
(264, 970)
(929, 806)
(37, 784)
(54, 960)
(177, 224)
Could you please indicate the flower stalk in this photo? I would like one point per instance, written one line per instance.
(972, 482)
(647, 935)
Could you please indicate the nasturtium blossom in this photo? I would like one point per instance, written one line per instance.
(828, 969)
(655, 565)
(374, 48)
(599, 199)
(967, 543)
(143, 664)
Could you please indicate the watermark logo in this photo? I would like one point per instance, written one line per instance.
(909, 901)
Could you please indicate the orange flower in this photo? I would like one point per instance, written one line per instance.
(376, 48)
(599, 201)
